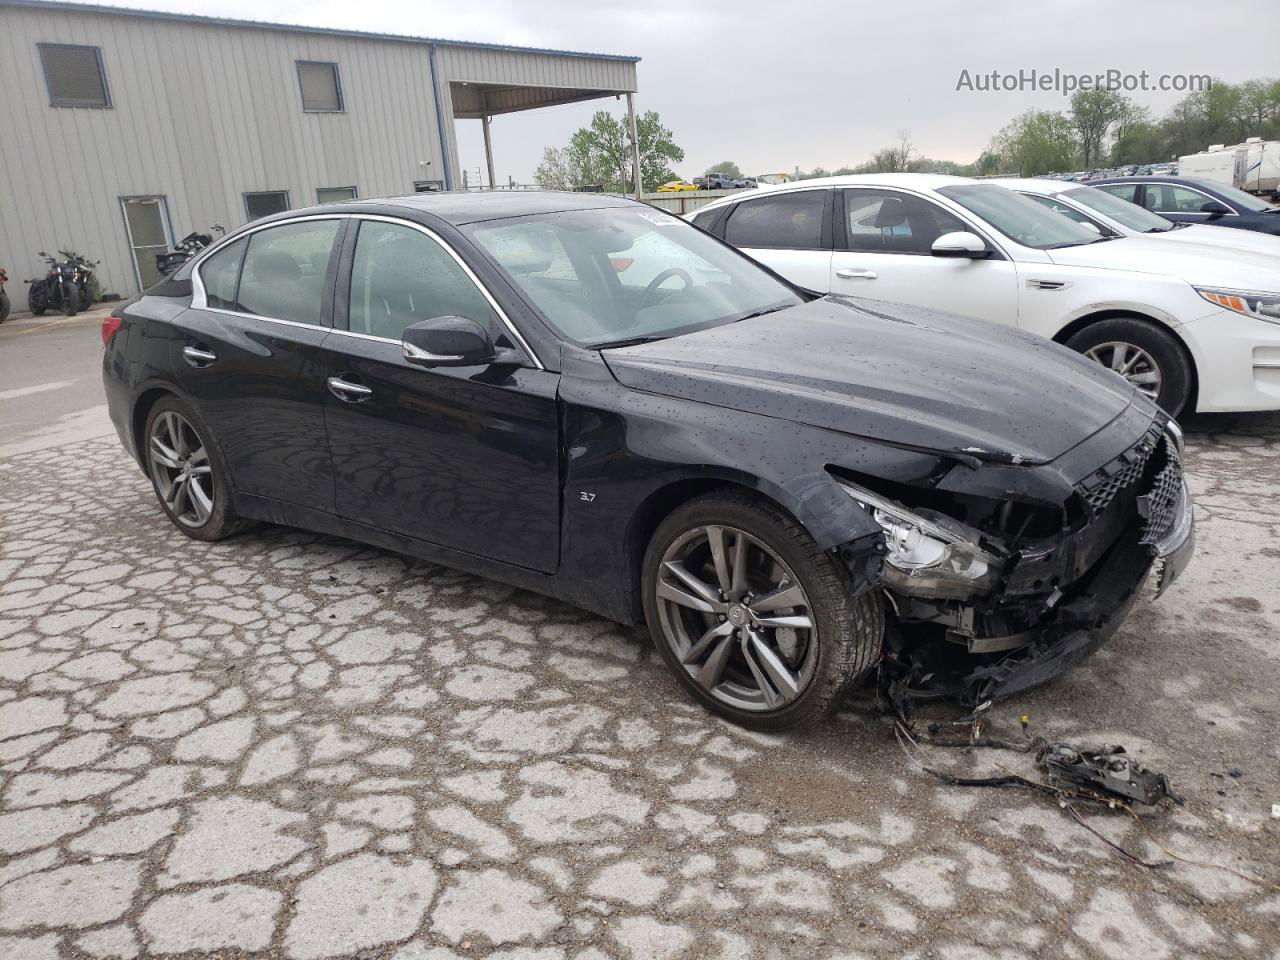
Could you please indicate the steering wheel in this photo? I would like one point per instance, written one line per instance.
(650, 295)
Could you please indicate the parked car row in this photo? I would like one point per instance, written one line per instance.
(585, 396)
(712, 181)
(1193, 326)
(1127, 170)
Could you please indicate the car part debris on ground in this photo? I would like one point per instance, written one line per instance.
(1105, 777)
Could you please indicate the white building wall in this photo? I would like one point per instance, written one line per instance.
(202, 113)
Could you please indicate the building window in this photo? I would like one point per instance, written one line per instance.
(428, 186)
(335, 194)
(321, 91)
(75, 75)
(265, 203)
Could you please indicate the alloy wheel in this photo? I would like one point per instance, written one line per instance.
(736, 618)
(1131, 362)
(180, 468)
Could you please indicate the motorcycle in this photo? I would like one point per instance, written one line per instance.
(185, 249)
(4, 297)
(64, 287)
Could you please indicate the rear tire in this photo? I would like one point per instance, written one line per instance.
(188, 473)
(37, 299)
(765, 675)
(1145, 350)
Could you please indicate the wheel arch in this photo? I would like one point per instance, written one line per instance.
(1089, 319)
(142, 407)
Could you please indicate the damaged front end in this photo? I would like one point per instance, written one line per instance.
(994, 597)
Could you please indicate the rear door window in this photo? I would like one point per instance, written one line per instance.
(220, 273)
(1125, 191)
(785, 221)
(284, 271)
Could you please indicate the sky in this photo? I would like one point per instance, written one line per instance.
(773, 85)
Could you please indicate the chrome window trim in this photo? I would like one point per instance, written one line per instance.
(199, 299)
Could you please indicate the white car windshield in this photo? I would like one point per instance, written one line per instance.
(1122, 211)
(1019, 218)
(612, 275)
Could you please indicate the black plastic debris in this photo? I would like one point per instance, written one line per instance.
(1108, 769)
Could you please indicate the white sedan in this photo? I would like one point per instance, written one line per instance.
(1114, 217)
(1194, 326)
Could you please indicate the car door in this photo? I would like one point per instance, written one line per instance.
(463, 457)
(788, 231)
(248, 353)
(884, 240)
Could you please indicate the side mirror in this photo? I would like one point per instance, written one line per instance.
(1215, 208)
(960, 244)
(1090, 225)
(447, 342)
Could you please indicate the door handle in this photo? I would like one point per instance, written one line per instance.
(348, 392)
(848, 274)
(197, 357)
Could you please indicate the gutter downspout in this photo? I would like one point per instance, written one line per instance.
(444, 142)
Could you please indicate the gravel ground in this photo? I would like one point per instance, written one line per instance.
(287, 745)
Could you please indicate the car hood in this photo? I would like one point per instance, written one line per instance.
(1205, 265)
(1211, 235)
(891, 373)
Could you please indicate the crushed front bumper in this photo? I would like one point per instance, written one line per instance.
(1064, 638)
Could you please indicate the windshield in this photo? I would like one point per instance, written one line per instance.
(1019, 218)
(1129, 214)
(1245, 201)
(614, 274)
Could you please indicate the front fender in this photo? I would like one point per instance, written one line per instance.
(625, 450)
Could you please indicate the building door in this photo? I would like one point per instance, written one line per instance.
(146, 223)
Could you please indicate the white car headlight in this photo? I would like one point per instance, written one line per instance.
(1261, 306)
(929, 556)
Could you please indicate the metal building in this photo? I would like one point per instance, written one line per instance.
(124, 129)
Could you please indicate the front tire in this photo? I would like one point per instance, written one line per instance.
(70, 300)
(188, 473)
(754, 620)
(1146, 355)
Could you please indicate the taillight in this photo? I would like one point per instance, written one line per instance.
(110, 326)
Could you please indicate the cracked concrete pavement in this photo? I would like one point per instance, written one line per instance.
(287, 745)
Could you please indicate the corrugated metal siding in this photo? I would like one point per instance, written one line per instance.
(202, 114)
(536, 69)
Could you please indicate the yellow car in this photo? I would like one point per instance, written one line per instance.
(676, 186)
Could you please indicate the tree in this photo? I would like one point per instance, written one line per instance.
(601, 154)
(1093, 112)
(1036, 142)
(1203, 118)
(726, 168)
(1260, 106)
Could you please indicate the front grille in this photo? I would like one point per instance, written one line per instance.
(1159, 506)
(1125, 470)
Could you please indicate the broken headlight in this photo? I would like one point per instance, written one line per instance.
(1262, 306)
(928, 554)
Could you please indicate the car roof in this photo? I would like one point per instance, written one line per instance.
(1159, 178)
(905, 181)
(460, 207)
(1041, 185)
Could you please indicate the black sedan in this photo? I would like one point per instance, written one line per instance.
(588, 397)
(1191, 200)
